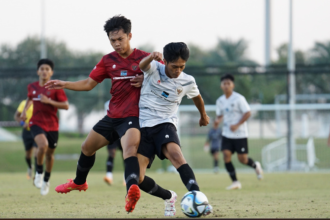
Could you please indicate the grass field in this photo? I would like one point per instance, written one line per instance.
(277, 196)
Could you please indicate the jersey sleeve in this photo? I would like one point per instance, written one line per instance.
(30, 95)
(99, 72)
(61, 96)
(21, 106)
(153, 67)
(193, 91)
(218, 108)
(244, 106)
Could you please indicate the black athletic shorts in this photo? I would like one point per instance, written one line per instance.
(114, 128)
(154, 138)
(52, 136)
(28, 139)
(235, 145)
(115, 145)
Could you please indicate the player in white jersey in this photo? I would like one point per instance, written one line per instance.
(163, 88)
(234, 110)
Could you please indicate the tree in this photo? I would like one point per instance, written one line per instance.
(320, 53)
(282, 53)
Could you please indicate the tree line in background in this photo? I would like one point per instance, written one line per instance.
(226, 53)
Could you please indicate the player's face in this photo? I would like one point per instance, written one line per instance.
(45, 72)
(175, 68)
(120, 41)
(227, 86)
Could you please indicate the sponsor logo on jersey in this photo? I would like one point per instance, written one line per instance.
(123, 73)
(34, 92)
(94, 68)
(158, 82)
(165, 94)
(113, 66)
(134, 67)
(179, 90)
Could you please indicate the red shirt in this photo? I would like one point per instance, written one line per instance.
(45, 115)
(125, 97)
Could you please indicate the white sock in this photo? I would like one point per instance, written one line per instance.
(109, 175)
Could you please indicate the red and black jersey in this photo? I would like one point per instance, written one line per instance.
(125, 97)
(45, 115)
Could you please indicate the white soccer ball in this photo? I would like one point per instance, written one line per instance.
(193, 204)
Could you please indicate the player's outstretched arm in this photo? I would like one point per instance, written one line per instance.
(198, 100)
(81, 85)
(145, 62)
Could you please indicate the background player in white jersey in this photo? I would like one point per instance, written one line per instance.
(214, 137)
(233, 108)
(163, 88)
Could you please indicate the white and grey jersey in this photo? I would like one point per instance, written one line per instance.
(232, 110)
(161, 95)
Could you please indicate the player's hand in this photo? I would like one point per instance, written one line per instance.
(23, 116)
(234, 127)
(206, 148)
(55, 84)
(137, 80)
(204, 120)
(157, 56)
(44, 99)
(25, 125)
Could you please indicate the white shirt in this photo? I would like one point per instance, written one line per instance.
(232, 110)
(161, 96)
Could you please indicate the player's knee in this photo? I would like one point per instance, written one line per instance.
(226, 158)
(86, 149)
(130, 151)
(49, 156)
(243, 160)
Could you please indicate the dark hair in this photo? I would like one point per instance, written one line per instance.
(173, 51)
(116, 23)
(227, 76)
(46, 61)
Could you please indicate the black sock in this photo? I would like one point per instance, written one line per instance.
(132, 171)
(110, 164)
(47, 176)
(35, 164)
(188, 177)
(40, 169)
(215, 163)
(28, 161)
(85, 163)
(231, 171)
(148, 185)
(251, 163)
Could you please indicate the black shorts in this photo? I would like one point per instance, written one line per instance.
(154, 138)
(212, 151)
(114, 128)
(115, 145)
(28, 139)
(235, 145)
(52, 136)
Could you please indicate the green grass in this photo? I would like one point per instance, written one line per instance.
(277, 196)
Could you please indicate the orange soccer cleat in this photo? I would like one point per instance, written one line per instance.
(69, 186)
(133, 195)
(108, 180)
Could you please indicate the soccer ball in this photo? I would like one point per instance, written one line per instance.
(193, 204)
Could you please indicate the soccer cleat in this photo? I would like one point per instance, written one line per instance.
(44, 188)
(69, 186)
(38, 180)
(29, 174)
(170, 205)
(259, 170)
(208, 210)
(108, 180)
(133, 195)
(235, 185)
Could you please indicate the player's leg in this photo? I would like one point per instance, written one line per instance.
(215, 155)
(28, 155)
(111, 156)
(242, 154)
(28, 145)
(228, 149)
(130, 143)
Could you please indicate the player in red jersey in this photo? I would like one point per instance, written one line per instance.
(44, 121)
(121, 121)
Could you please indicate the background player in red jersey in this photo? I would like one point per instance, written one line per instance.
(121, 120)
(44, 121)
